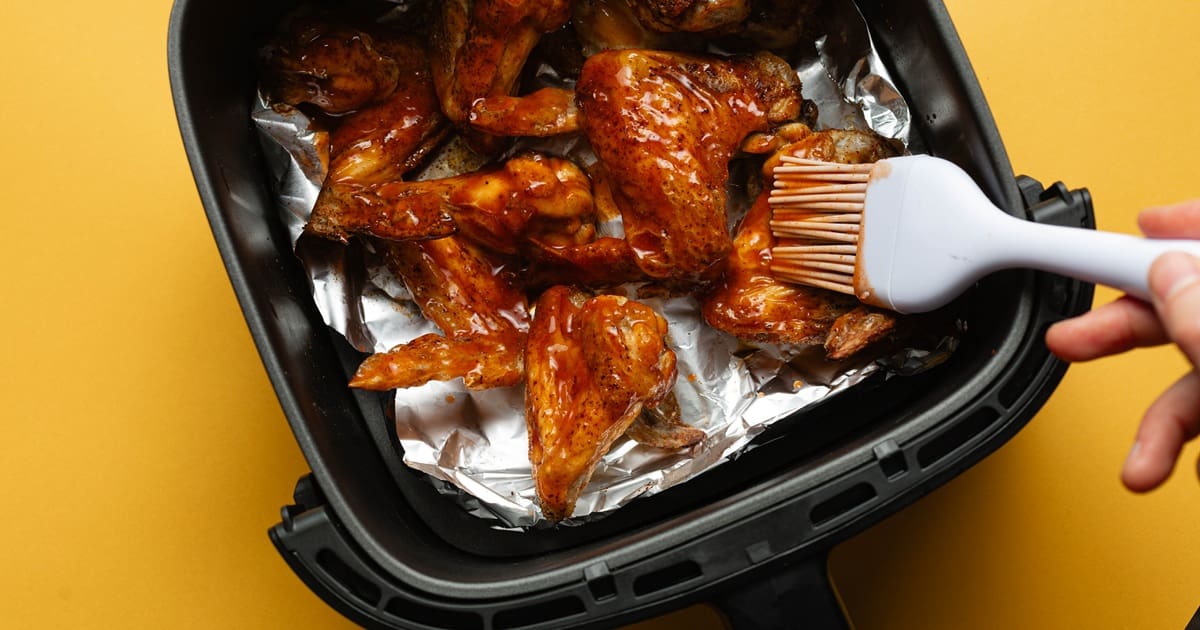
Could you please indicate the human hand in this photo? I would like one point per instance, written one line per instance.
(1173, 316)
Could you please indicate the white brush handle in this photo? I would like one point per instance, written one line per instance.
(1115, 260)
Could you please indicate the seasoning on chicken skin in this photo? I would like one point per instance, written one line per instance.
(592, 365)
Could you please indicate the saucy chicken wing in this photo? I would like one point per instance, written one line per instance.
(612, 24)
(777, 24)
(479, 48)
(605, 262)
(592, 365)
(335, 67)
(529, 198)
(473, 298)
(665, 126)
(751, 304)
(380, 144)
(690, 15)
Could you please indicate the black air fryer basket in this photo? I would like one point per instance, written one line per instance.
(380, 545)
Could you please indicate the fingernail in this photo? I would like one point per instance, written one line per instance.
(1172, 273)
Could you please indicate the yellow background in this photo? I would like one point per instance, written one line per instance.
(143, 454)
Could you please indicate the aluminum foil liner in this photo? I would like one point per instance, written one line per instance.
(473, 444)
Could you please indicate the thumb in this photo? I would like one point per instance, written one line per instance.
(1175, 287)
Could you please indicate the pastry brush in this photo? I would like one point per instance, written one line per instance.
(910, 234)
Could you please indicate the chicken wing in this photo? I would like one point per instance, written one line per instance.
(335, 67)
(473, 298)
(690, 15)
(777, 24)
(479, 48)
(611, 24)
(381, 144)
(751, 304)
(605, 262)
(665, 126)
(592, 365)
(529, 198)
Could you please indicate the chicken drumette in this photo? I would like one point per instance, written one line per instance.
(751, 304)
(592, 365)
(479, 48)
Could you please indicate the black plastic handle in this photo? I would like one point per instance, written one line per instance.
(1057, 205)
(799, 595)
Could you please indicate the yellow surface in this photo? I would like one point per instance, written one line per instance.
(143, 453)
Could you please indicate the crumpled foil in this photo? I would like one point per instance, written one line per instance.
(473, 444)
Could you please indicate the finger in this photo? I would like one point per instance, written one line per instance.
(1170, 422)
(1175, 285)
(1111, 329)
(1176, 221)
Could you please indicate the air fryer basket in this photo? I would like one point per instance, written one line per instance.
(378, 543)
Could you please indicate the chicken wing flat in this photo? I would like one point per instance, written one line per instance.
(334, 67)
(592, 365)
(605, 262)
(473, 298)
(665, 126)
(479, 48)
(751, 304)
(380, 144)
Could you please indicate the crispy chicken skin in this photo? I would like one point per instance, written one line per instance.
(380, 144)
(478, 48)
(592, 365)
(751, 304)
(334, 67)
(858, 329)
(472, 297)
(663, 427)
(690, 15)
(665, 126)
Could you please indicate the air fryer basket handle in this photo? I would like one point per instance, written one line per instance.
(798, 595)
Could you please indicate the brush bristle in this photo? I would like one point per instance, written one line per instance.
(825, 266)
(817, 216)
